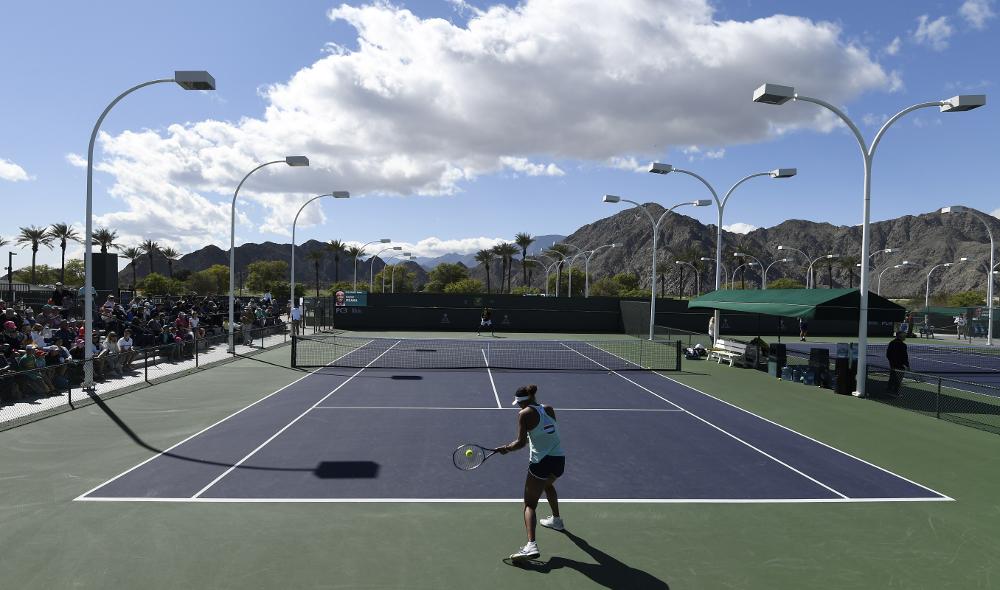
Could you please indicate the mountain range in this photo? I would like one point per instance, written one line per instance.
(920, 240)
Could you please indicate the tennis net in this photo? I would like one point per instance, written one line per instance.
(538, 355)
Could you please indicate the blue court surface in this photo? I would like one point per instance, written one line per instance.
(387, 435)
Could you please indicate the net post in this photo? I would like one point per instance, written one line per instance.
(294, 346)
(937, 399)
(145, 365)
(196, 348)
(677, 366)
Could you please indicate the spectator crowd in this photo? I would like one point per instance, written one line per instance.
(40, 345)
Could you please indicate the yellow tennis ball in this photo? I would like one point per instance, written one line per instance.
(468, 452)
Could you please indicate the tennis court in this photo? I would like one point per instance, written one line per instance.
(347, 492)
(381, 427)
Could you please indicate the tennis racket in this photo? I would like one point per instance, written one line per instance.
(469, 456)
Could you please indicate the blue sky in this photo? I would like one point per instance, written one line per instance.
(467, 121)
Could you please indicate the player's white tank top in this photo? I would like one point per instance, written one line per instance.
(543, 440)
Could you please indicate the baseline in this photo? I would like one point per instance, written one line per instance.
(204, 430)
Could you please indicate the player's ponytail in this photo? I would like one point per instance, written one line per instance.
(526, 390)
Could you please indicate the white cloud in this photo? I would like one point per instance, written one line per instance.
(433, 247)
(894, 46)
(694, 152)
(626, 163)
(934, 33)
(425, 105)
(531, 169)
(977, 12)
(873, 120)
(739, 228)
(76, 160)
(12, 172)
(996, 213)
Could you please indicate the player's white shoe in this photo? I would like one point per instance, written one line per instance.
(552, 522)
(529, 551)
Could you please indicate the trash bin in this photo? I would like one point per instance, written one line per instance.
(819, 362)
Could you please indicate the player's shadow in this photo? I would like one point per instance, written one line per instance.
(609, 572)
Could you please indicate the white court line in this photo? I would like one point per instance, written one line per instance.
(167, 450)
(287, 426)
(492, 409)
(490, 373)
(623, 376)
(819, 442)
(722, 430)
(516, 500)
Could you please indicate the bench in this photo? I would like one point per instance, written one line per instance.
(729, 350)
(926, 332)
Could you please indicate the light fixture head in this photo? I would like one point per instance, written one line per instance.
(954, 209)
(611, 198)
(781, 247)
(706, 258)
(773, 94)
(658, 168)
(832, 256)
(385, 240)
(297, 160)
(406, 253)
(784, 172)
(396, 248)
(963, 102)
(963, 259)
(340, 195)
(194, 80)
(702, 202)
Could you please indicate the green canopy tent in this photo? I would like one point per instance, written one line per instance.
(811, 304)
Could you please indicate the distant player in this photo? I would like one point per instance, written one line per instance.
(536, 427)
(486, 321)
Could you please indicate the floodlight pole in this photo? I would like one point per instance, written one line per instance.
(291, 161)
(371, 268)
(183, 79)
(721, 204)
(927, 292)
(382, 241)
(569, 289)
(809, 272)
(586, 268)
(291, 281)
(755, 259)
(774, 94)
(764, 278)
(656, 229)
(989, 274)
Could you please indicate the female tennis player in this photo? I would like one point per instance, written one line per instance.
(536, 427)
(486, 321)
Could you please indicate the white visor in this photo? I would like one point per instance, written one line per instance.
(520, 398)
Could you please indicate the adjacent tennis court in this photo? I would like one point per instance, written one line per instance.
(381, 426)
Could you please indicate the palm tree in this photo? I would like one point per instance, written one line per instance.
(171, 255)
(355, 252)
(849, 263)
(506, 252)
(132, 254)
(523, 240)
(316, 256)
(149, 247)
(337, 247)
(105, 238)
(35, 236)
(559, 252)
(486, 258)
(662, 268)
(64, 233)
